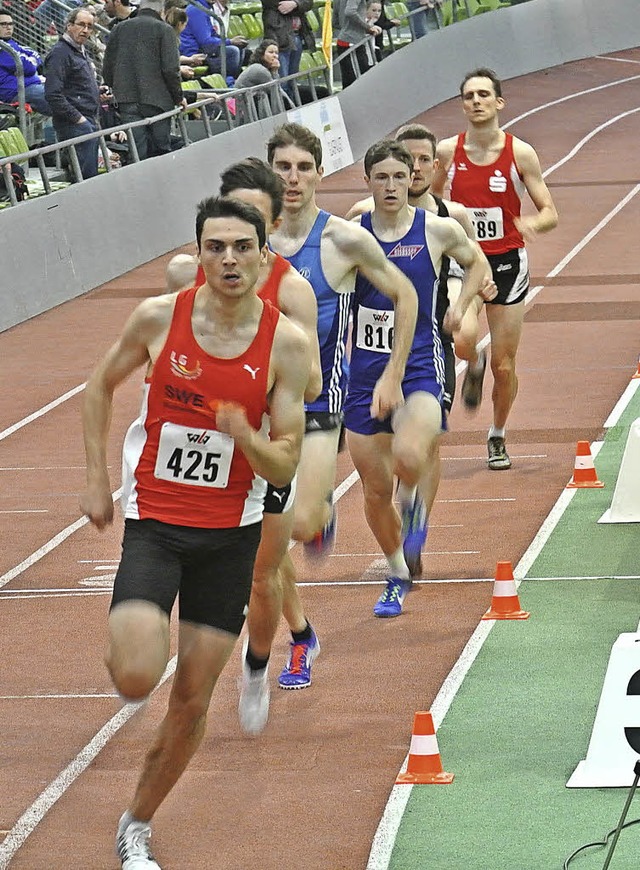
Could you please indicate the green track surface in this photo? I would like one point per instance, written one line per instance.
(522, 718)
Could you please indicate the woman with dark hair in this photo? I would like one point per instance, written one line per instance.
(263, 70)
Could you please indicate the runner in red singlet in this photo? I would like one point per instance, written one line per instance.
(254, 182)
(196, 463)
(489, 172)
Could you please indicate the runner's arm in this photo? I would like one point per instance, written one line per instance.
(444, 155)
(298, 303)
(529, 167)
(359, 208)
(276, 458)
(129, 352)
(459, 246)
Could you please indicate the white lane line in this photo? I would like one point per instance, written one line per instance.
(568, 97)
(578, 146)
(483, 458)
(54, 542)
(97, 561)
(42, 468)
(58, 697)
(4, 596)
(387, 830)
(589, 577)
(622, 403)
(471, 500)
(54, 791)
(616, 59)
(29, 511)
(42, 411)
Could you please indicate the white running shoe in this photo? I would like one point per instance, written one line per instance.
(132, 844)
(253, 706)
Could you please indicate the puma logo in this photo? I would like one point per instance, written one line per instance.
(278, 495)
(252, 372)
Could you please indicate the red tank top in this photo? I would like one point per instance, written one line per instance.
(177, 467)
(492, 196)
(271, 287)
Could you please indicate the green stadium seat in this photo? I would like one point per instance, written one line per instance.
(253, 26)
(215, 80)
(191, 85)
(200, 71)
(236, 27)
(312, 21)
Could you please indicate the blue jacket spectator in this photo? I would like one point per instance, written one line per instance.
(71, 88)
(31, 62)
(201, 37)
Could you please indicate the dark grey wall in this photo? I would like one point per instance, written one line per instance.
(57, 247)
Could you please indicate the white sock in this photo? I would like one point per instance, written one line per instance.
(397, 565)
(494, 432)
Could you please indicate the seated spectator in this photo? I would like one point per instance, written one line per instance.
(201, 37)
(263, 70)
(176, 17)
(31, 63)
(376, 15)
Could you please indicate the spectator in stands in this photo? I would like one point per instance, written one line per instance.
(141, 64)
(176, 17)
(376, 14)
(71, 88)
(352, 27)
(426, 20)
(201, 37)
(285, 22)
(119, 10)
(222, 10)
(263, 70)
(31, 63)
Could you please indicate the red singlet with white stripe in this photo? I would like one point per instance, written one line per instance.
(177, 467)
(271, 287)
(492, 196)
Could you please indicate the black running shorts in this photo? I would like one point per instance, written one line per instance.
(511, 274)
(210, 570)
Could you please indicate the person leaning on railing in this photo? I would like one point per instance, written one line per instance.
(71, 88)
(263, 70)
(352, 27)
(31, 63)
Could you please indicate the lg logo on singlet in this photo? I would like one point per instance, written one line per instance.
(497, 182)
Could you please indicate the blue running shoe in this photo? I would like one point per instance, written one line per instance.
(322, 543)
(415, 524)
(391, 600)
(296, 674)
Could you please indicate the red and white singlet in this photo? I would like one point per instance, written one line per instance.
(271, 287)
(177, 467)
(492, 196)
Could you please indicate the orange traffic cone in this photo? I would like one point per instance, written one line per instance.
(584, 473)
(424, 766)
(505, 603)
(637, 374)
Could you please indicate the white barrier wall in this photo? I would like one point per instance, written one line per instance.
(57, 247)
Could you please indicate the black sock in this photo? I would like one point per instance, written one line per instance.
(302, 636)
(255, 663)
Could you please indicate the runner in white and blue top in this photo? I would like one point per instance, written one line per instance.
(373, 322)
(333, 320)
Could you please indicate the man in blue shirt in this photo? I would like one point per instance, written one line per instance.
(71, 88)
(31, 61)
(201, 37)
